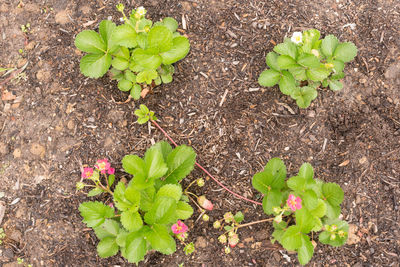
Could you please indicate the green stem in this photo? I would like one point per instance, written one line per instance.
(189, 186)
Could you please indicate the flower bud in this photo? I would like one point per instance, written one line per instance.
(278, 219)
(276, 210)
(227, 250)
(120, 7)
(80, 185)
(205, 203)
(342, 233)
(217, 224)
(333, 236)
(206, 218)
(200, 182)
(222, 239)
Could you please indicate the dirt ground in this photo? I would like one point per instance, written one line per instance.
(53, 120)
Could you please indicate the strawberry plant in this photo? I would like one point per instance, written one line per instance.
(139, 52)
(146, 212)
(301, 205)
(303, 63)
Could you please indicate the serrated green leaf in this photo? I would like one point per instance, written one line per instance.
(332, 193)
(329, 44)
(170, 190)
(124, 35)
(320, 209)
(120, 63)
(304, 95)
(146, 76)
(317, 74)
(121, 238)
(147, 198)
(305, 251)
(183, 210)
(272, 199)
(95, 65)
(90, 42)
(170, 23)
(338, 66)
(277, 168)
(162, 212)
(335, 85)
(132, 221)
(287, 48)
(136, 91)
(148, 58)
(345, 52)
(297, 183)
(310, 40)
(286, 62)
(109, 228)
(304, 220)
(332, 211)
(106, 28)
(310, 199)
(164, 148)
(180, 163)
(287, 83)
(133, 164)
(94, 192)
(167, 78)
(142, 41)
(136, 247)
(269, 78)
(124, 85)
(239, 217)
(337, 76)
(160, 37)
(227, 227)
(143, 120)
(95, 213)
(130, 76)
(155, 165)
(318, 224)
(271, 60)
(107, 247)
(291, 239)
(308, 60)
(111, 179)
(132, 195)
(160, 239)
(306, 171)
(299, 73)
(180, 48)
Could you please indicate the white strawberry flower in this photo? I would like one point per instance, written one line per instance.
(141, 11)
(297, 37)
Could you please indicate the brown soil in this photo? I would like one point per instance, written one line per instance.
(61, 120)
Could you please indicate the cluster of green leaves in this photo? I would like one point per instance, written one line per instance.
(146, 207)
(300, 69)
(144, 114)
(320, 208)
(138, 51)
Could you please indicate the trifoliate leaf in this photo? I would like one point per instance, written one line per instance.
(180, 48)
(308, 60)
(164, 148)
(310, 199)
(306, 171)
(148, 59)
(155, 165)
(95, 213)
(345, 52)
(170, 23)
(271, 60)
(180, 163)
(320, 209)
(132, 221)
(120, 63)
(136, 247)
(287, 48)
(329, 44)
(167, 78)
(269, 78)
(160, 37)
(287, 83)
(106, 28)
(335, 85)
(107, 247)
(299, 73)
(146, 76)
(107, 229)
(183, 210)
(271, 200)
(332, 193)
(160, 239)
(134, 165)
(317, 74)
(297, 183)
(95, 65)
(90, 42)
(170, 190)
(304, 220)
(304, 95)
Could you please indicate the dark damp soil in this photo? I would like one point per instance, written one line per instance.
(60, 120)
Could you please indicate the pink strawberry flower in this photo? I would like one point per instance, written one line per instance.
(87, 173)
(294, 203)
(205, 203)
(111, 170)
(102, 165)
(179, 227)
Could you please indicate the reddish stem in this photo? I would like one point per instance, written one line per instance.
(204, 170)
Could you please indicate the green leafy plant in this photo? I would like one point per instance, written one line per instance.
(144, 114)
(303, 63)
(139, 52)
(301, 205)
(230, 223)
(148, 210)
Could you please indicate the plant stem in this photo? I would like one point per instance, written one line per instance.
(193, 201)
(256, 222)
(189, 186)
(191, 194)
(204, 170)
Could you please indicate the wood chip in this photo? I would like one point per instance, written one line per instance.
(344, 163)
(184, 26)
(223, 98)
